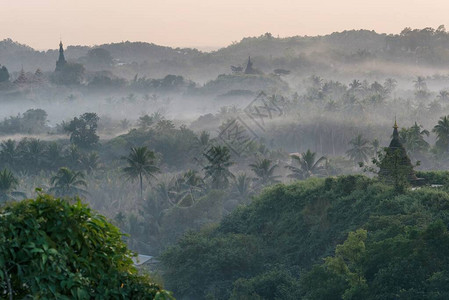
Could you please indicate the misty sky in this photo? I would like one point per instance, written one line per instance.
(204, 23)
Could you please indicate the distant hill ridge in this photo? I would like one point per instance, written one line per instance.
(426, 46)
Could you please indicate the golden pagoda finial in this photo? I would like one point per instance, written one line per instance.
(395, 123)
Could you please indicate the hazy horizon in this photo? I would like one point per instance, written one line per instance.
(206, 25)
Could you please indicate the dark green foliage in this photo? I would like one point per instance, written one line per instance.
(50, 249)
(397, 248)
(395, 168)
(8, 184)
(217, 168)
(442, 132)
(233, 256)
(83, 130)
(274, 284)
(291, 225)
(410, 264)
(434, 177)
(178, 220)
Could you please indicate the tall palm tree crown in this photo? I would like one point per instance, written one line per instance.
(242, 188)
(217, 169)
(360, 150)
(442, 132)
(308, 166)
(68, 183)
(8, 183)
(413, 138)
(141, 163)
(264, 170)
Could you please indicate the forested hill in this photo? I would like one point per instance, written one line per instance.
(423, 47)
(377, 244)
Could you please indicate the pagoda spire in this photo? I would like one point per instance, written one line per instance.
(396, 160)
(395, 130)
(61, 61)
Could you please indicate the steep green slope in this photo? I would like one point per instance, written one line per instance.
(267, 249)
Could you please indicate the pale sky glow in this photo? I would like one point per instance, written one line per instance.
(204, 23)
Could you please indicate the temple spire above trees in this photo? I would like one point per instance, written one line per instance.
(61, 61)
(395, 165)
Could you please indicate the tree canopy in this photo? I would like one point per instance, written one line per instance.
(50, 249)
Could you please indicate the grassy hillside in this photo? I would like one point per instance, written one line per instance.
(274, 248)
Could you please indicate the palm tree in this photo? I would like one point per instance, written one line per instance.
(360, 149)
(390, 84)
(141, 163)
(32, 151)
(203, 139)
(421, 91)
(413, 138)
(8, 152)
(90, 162)
(68, 183)
(124, 124)
(355, 84)
(8, 183)
(145, 122)
(192, 179)
(73, 156)
(443, 95)
(53, 155)
(188, 187)
(420, 83)
(308, 166)
(164, 191)
(375, 144)
(442, 132)
(242, 188)
(264, 171)
(217, 169)
(316, 81)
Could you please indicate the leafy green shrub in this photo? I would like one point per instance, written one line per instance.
(434, 177)
(50, 249)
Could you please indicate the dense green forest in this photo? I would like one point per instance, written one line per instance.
(348, 237)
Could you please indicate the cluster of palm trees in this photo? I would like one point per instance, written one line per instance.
(31, 156)
(185, 188)
(65, 183)
(353, 97)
